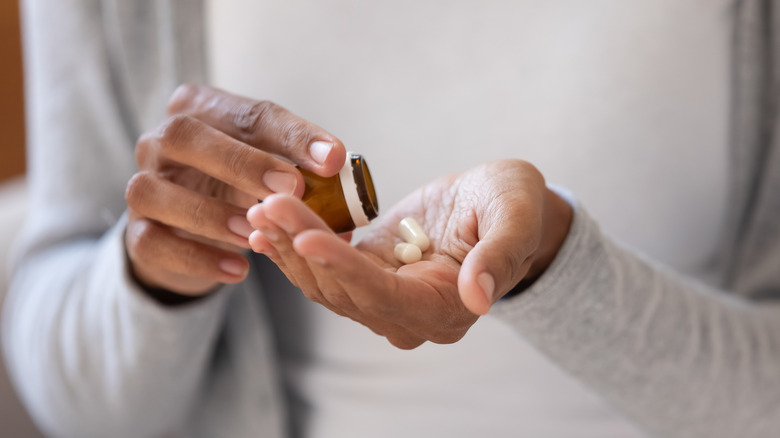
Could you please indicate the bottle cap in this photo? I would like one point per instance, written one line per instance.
(358, 190)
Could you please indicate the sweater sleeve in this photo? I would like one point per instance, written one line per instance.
(89, 353)
(679, 357)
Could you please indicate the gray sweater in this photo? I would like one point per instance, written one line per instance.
(93, 356)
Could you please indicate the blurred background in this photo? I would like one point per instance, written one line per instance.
(14, 421)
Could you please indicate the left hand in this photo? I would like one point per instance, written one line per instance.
(490, 228)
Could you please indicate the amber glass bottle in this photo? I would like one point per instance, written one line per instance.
(346, 200)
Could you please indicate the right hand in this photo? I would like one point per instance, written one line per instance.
(199, 171)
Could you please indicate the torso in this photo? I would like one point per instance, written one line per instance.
(625, 103)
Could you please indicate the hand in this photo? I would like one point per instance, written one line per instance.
(490, 228)
(213, 157)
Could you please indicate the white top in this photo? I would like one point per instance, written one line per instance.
(625, 103)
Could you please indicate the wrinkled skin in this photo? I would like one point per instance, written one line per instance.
(211, 159)
(490, 228)
(192, 212)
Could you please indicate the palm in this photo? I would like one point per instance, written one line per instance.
(424, 300)
(447, 211)
(451, 229)
(439, 208)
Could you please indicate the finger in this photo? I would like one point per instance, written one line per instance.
(260, 244)
(501, 257)
(377, 315)
(339, 301)
(288, 215)
(310, 285)
(271, 240)
(155, 247)
(292, 217)
(288, 212)
(154, 197)
(295, 217)
(367, 283)
(185, 140)
(406, 310)
(264, 125)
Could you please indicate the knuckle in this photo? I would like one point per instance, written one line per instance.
(447, 337)
(144, 148)
(175, 131)
(137, 187)
(527, 167)
(404, 342)
(140, 237)
(198, 214)
(249, 119)
(294, 133)
(182, 97)
(236, 164)
(450, 330)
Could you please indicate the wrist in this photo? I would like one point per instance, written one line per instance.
(160, 294)
(557, 216)
(169, 298)
(165, 296)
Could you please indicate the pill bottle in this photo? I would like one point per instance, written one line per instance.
(346, 200)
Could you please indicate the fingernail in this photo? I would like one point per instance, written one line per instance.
(280, 182)
(240, 226)
(319, 151)
(487, 284)
(232, 267)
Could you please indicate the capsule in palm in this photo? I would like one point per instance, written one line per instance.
(407, 253)
(412, 232)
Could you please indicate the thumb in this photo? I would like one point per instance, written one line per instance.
(497, 263)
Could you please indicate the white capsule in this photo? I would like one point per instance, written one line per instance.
(413, 233)
(407, 253)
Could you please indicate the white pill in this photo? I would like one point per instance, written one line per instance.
(407, 253)
(413, 233)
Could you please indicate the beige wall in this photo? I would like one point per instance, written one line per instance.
(11, 93)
